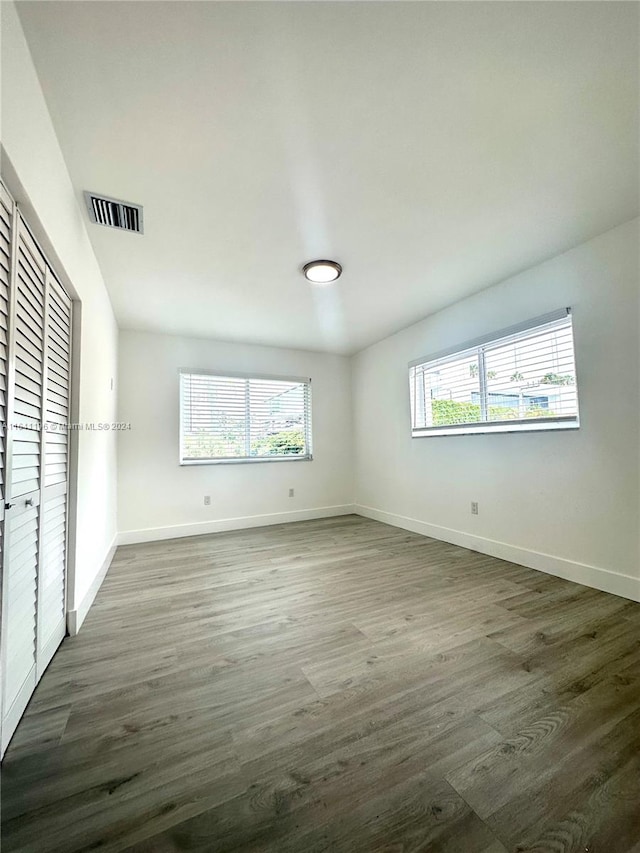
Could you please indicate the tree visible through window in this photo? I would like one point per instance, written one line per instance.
(243, 418)
(524, 379)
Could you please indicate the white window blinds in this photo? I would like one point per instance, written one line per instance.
(520, 379)
(238, 418)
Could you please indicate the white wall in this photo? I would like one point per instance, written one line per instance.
(36, 174)
(158, 498)
(566, 502)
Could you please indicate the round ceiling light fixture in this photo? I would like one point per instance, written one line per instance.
(322, 272)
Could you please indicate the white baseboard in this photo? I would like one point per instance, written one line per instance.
(582, 573)
(76, 617)
(176, 531)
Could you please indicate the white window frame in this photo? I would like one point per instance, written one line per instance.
(241, 460)
(477, 347)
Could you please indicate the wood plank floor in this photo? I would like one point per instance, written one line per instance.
(334, 685)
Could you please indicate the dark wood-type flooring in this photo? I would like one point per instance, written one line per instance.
(335, 685)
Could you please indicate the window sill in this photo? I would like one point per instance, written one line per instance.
(244, 461)
(502, 427)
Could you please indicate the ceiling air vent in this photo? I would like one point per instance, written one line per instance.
(114, 213)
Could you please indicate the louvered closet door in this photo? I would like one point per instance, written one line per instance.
(23, 472)
(35, 364)
(6, 206)
(53, 547)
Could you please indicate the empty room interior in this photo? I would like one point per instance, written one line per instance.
(320, 409)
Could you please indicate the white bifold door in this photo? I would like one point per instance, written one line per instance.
(35, 363)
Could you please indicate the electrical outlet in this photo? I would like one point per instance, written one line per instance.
(291, 493)
(207, 500)
(474, 507)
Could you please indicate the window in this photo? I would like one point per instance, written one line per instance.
(521, 379)
(238, 418)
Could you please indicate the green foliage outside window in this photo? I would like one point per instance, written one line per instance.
(447, 412)
(557, 379)
(288, 442)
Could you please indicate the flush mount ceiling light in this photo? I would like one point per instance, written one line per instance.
(322, 272)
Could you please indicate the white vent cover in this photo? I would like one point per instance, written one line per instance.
(114, 213)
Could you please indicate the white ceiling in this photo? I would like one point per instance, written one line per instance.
(432, 148)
